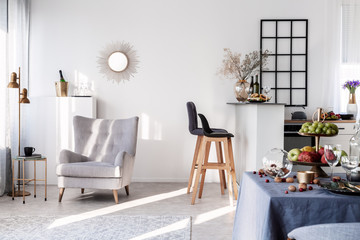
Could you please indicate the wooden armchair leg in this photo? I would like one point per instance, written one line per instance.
(82, 190)
(127, 189)
(115, 193)
(61, 193)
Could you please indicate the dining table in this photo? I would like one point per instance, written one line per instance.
(267, 210)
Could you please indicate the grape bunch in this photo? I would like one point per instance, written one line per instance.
(319, 128)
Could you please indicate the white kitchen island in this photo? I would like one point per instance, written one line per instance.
(259, 128)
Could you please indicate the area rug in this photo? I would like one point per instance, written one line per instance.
(100, 227)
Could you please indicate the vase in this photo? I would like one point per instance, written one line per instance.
(240, 90)
(352, 106)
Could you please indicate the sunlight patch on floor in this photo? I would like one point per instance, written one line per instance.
(115, 208)
(204, 217)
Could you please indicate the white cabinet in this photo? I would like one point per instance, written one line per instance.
(47, 126)
(259, 128)
(346, 131)
(66, 109)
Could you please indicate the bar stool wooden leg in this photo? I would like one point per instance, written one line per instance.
(227, 162)
(198, 172)
(193, 166)
(232, 171)
(206, 160)
(221, 172)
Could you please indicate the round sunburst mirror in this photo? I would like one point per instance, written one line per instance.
(118, 61)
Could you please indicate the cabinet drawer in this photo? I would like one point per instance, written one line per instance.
(346, 128)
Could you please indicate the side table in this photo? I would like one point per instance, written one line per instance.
(21, 177)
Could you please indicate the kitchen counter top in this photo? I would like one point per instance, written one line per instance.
(329, 121)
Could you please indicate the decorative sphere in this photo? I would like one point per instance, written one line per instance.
(276, 163)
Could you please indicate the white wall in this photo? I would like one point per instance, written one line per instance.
(180, 48)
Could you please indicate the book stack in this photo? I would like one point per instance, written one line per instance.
(35, 155)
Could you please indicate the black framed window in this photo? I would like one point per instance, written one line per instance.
(286, 72)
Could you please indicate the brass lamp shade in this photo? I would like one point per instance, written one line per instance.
(24, 98)
(13, 83)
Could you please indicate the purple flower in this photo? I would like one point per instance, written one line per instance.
(351, 85)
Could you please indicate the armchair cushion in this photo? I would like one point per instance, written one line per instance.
(88, 169)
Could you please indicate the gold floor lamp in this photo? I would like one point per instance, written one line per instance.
(22, 99)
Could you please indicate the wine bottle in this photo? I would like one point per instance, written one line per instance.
(61, 77)
(256, 85)
(252, 85)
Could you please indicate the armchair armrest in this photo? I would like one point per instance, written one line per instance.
(67, 156)
(121, 158)
(126, 162)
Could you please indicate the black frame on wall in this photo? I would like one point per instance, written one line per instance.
(288, 59)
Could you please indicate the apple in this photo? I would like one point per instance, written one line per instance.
(343, 153)
(294, 154)
(321, 151)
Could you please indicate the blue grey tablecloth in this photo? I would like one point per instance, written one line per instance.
(264, 211)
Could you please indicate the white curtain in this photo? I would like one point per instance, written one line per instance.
(350, 45)
(5, 162)
(14, 45)
(332, 39)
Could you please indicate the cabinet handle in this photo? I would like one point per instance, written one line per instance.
(341, 128)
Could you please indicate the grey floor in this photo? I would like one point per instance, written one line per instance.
(212, 216)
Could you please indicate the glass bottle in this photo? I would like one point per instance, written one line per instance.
(354, 143)
(354, 150)
(257, 85)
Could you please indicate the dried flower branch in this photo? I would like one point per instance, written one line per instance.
(233, 68)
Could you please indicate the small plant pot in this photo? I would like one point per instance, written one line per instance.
(61, 89)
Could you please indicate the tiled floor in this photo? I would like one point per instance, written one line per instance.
(212, 217)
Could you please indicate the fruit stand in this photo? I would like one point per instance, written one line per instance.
(316, 166)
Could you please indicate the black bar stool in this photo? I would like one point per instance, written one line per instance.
(195, 130)
(203, 164)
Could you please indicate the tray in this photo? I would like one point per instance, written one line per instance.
(257, 101)
(320, 164)
(333, 187)
(316, 135)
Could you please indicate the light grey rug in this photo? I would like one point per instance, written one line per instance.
(100, 227)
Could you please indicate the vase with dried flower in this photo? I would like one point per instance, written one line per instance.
(352, 106)
(234, 68)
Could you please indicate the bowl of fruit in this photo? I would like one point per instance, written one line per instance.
(317, 128)
(330, 116)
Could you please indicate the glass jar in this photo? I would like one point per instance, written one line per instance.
(276, 163)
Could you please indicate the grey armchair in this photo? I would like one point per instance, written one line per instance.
(328, 231)
(104, 155)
